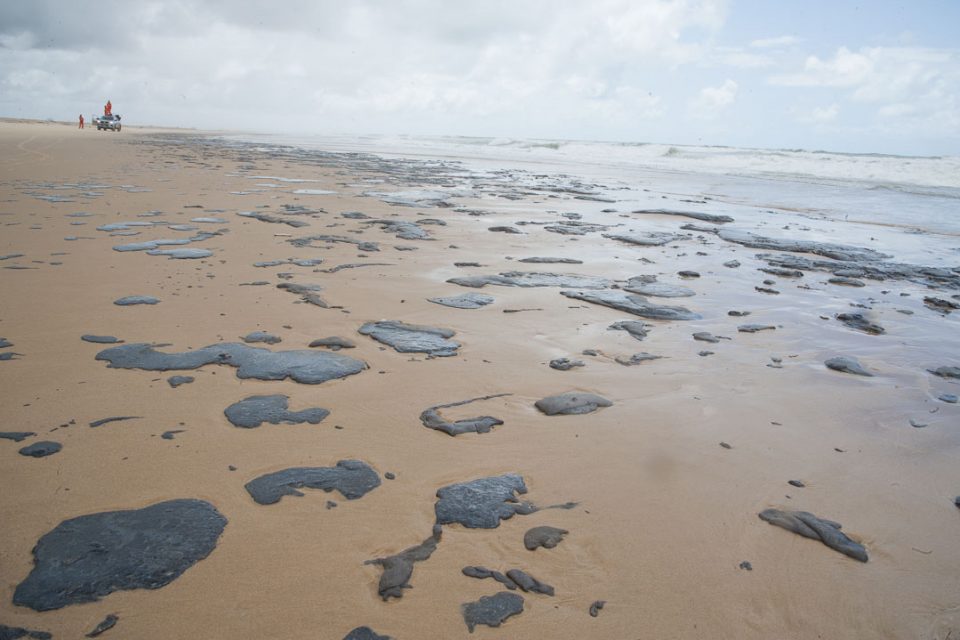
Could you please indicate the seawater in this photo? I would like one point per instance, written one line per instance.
(908, 207)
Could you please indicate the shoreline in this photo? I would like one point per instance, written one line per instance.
(508, 139)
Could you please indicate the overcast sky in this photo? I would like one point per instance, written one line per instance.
(868, 76)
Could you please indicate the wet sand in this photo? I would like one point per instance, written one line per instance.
(665, 515)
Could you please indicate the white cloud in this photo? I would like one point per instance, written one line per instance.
(627, 105)
(878, 74)
(737, 57)
(19, 40)
(586, 86)
(912, 89)
(712, 100)
(925, 117)
(779, 41)
(844, 70)
(904, 73)
(825, 114)
(897, 110)
(657, 27)
(368, 65)
(639, 102)
(820, 115)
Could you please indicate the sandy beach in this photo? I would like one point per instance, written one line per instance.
(668, 480)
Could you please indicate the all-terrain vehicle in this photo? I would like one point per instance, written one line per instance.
(110, 123)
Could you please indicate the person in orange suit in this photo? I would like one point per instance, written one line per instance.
(81, 121)
(107, 108)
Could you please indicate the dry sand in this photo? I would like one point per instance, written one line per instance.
(665, 517)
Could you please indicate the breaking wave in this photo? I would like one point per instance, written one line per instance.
(936, 176)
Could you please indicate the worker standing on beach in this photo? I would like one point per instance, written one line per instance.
(81, 121)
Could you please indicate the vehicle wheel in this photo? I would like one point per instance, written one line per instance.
(119, 127)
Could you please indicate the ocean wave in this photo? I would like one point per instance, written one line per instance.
(933, 192)
(937, 175)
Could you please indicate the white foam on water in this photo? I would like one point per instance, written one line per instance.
(313, 192)
(280, 179)
(910, 205)
(887, 171)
